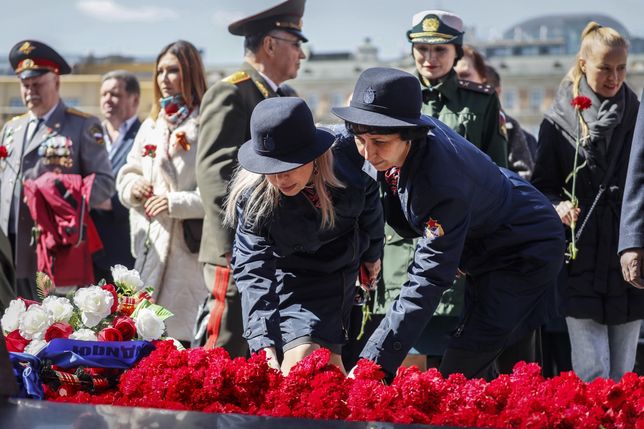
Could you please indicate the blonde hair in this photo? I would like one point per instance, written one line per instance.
(592, 35)
(193, 75)
(264, 197)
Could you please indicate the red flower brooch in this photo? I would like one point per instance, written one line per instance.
(150, 150)
(4, 152)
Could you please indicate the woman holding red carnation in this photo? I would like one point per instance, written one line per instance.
(306, 217)
(590, 126)
(159, 186)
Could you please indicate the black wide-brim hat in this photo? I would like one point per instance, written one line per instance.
(286, 16)
(387, 98)
(283, 137)
(30, 58)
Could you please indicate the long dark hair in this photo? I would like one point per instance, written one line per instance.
(193, 74)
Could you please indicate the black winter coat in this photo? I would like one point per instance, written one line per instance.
(595, 286)
(296, 280)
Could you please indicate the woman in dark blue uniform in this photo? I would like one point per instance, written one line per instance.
(470, 216)
(306, 217)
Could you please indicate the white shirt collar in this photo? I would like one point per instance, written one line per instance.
(47, 115)
(272, 84)
(123, 129)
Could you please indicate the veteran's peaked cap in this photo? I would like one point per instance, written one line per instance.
(30, 58)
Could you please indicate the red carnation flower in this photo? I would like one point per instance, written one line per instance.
(58, 330)
(110, 334)
(4, 153)
(125, 326)
(150, 150)
(581, 103)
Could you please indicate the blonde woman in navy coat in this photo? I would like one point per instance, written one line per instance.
(306, 216)
(471, 217)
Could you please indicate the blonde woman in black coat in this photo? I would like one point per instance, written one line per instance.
(602, 311)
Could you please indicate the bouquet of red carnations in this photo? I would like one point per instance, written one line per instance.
(208, 380)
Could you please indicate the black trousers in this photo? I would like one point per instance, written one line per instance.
(25, 287)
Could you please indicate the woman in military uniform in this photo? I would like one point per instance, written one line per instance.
(472, 110)
(306, 216)
(488, 223)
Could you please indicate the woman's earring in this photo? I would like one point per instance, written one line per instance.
(315, 168)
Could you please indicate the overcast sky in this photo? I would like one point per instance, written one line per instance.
(142, 27)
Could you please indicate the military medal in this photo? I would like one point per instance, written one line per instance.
(56, 150)
(433, 229)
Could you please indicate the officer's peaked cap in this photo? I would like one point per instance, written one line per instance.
(436, 27)
(286, 16)
(283, 137)
(30, 58)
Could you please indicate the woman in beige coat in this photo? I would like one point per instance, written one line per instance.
(159, 186)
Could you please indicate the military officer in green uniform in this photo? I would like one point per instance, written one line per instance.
(272, 55)
(472, 110)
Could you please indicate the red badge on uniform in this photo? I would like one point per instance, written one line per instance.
(433, 229)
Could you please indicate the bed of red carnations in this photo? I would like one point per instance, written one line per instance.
(209, 381)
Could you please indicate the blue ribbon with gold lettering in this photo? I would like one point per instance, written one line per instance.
(95, 354)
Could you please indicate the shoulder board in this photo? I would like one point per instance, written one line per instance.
(77, 112)
(476, 87)
(19, 116)
(236, 77)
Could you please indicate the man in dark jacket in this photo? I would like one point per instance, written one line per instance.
(631, 230)
(120, 94)
(272, 56)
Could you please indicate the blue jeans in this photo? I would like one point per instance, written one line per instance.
(602, 350)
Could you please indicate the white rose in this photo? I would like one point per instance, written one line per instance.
(35, 346)
(149, 326)
(84, 335)
(60, 308)
(94, 303)
(34, 322)
(11, 317)
(131, 278)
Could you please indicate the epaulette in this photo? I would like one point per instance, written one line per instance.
(77, 112)
(477, 87)
(237, 77)
(19, 116)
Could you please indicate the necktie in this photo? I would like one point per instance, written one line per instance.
(36, 128)
(434, 99)
(280, 92)
(391, 178)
